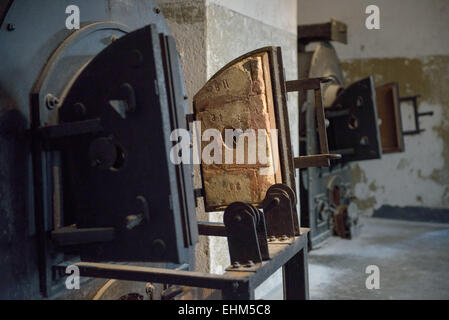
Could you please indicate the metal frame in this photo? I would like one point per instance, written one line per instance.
(237, 283)
(320, 62)
(234, 285)
(323, 159)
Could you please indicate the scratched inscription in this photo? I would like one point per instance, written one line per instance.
(237, 97)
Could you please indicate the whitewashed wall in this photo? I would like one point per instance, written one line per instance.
(411, 47)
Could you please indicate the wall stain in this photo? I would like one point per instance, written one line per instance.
(403, 163)
(427, 76)
(183, 13)
(357, 175)
(366, 204)
(374, 187)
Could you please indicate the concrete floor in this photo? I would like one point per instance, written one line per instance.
(413, 259)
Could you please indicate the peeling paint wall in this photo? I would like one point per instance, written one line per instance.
(412, 48)
(278, 13)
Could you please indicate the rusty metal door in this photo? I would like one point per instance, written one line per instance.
(245, 97)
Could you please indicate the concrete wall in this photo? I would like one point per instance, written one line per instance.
(278, 13)
(412, 47)
(211, 33)
(186, 20)
(230, 35)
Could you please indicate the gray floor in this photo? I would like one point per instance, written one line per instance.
(413, 259)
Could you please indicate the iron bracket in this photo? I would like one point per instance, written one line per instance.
(279, 206)
(323, 159)
(247, 235)
(416, 113)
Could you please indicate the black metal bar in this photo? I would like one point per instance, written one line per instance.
(68, 236)
(282, 123)
(337, 113)
(321, 120)
(214, 229)
(159, 275)
(71, 129)
(296, 278)
(318, 160)
(39, 200)
(306, 84)
(234, 284)
(416, 114)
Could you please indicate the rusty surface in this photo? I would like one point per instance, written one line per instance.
(387, 100)
(238, 97)
(340, 218)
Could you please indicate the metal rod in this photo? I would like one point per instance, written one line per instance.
(214, 229)
(159, 275)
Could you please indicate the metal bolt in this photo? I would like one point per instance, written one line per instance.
(113, 38)
(364, 141)
(157, 10)
(236, 264)
(136, 59)
(10, 27)
(96, 163)
(272, 238)
(284, 238)
(103, 153)
(250, 264)
(238, 218)
(79, 110)
(159, 247)
(149, 288)
(51, 101)
(134, 220)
